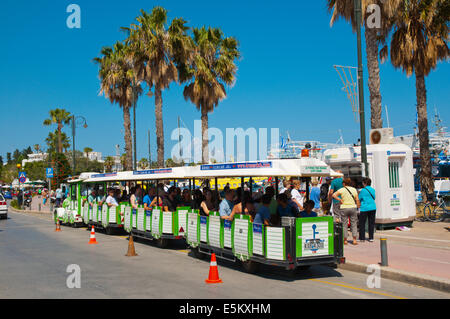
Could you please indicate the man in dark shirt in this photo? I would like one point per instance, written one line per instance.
(170, 202)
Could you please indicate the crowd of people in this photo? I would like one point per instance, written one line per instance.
(335, 197)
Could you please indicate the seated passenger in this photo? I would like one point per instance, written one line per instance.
(247, 203)
(92, 198)
(308, 212)
(111, 200)
(263, 214)
(125, 197)
(170, 201)
(207, 204)
(285, 207)
(226, 206)
(198, 199)
(273, 203)
(101, 198)
(186, 199)
(148, 199)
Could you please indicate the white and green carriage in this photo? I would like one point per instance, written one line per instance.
(98, 213)
(298, 242)
(155, 224)
(71, 212)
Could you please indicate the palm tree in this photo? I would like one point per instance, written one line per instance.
(56, 139)
(211, 69)
(155, 50)
(419, 42)
(123, 162)
(345, 9)
(119, 85)
(60, 117)
(109, 163)
(143, 163)
(87, 151)
(37, 148)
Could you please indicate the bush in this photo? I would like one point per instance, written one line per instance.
(15, 204)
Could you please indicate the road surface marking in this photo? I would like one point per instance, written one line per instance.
(356, 288)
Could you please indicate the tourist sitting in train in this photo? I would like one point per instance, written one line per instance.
(297, 198)
(92, 198)
(308, 211)
(273, 202)
(286, 208)
(124, 197)
(208, 204)
(263, 214)
(170, 202)
(179, 196)
(216, 198)
(101, 197)
(148, 198)
(186, 199)
(134, 197)
(111, 200)
(197, 199)
(226, 205)
(245, 206)
(117, 194)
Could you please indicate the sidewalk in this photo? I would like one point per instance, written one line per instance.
(38, 200)
(423, 253)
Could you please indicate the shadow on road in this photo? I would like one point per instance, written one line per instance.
(264, 271)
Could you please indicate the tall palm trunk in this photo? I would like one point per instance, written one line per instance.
(205, 139)
(128, 144)
(426, 180)
(59, 138)
(159, 126)
(374, 77)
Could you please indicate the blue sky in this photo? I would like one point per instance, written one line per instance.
(285, 79)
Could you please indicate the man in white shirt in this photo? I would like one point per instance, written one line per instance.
(297, 198)
(110, 200)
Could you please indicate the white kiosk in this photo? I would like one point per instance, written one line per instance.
(392, 175)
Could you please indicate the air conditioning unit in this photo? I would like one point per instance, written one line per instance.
(382, 136)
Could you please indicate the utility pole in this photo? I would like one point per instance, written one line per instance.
(179, 137)
(74, 125)
(73, 144)
(149, 151)
(362, 120)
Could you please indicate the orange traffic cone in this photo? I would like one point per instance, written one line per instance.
(131, 251)
(213, 272)
(58, 226)
(92, 239)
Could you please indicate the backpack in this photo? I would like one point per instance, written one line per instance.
(324, 192)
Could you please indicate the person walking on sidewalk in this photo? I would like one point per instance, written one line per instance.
(368, 210)
(349, 200)
(336, 184)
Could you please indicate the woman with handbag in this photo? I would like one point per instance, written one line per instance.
(368, 210)
(349, 200)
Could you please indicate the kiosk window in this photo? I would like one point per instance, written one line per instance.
(394, 179)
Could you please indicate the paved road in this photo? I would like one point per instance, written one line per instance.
(34, 260)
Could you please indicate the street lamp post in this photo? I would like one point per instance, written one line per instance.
(81, 120)
(362, 120)
(18, 179)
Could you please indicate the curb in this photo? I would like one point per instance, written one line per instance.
(28, 211)
(436, 283)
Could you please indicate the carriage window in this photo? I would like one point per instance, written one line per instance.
(73, 191)
(84, 190)
(394, 179)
